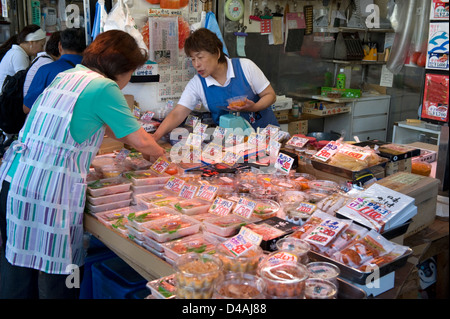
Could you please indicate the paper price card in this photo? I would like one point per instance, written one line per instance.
(147, 117)
(374, 212)
(274, 148)
(282, 257)
(230, 158)
(237, 245)
(174, 184)
(297, 141)
(219, 133)
(192, 120)
(207, 192)
(325, 232)
(221, 207)
(233, 139)
(355, 153)
(244, 207)
(270, 130)
(254, 237)
(213, 151)
(257, 139)
(194, 140)
(284, 163)
(306, 208)
(160, 165)
(188, 191)
(327, 151)
(200, 129)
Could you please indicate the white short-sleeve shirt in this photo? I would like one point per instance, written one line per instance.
(15, 59)
(193, 93)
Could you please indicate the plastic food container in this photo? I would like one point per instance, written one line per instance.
(173, 227)
(316, 288)
(140, 218)
(324, 185)
(198, 243)
(134, 233)
(147, 177)
(137, 190)
(108, 199)
(225, 226)
(191, 206)
(147, 199)
(110, 216)
(239, 286)
(163, 288)
(296, 246)
(291, 198)
(246, 263)
(284, 280)
(196, 275)
(108, 186)
(237, 100)
(110, 206)
(266, 209)
(301, 180)
(324, 270)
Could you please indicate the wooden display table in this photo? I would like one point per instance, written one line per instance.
(144, 262)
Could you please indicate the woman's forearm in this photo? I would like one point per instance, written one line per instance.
(172, 121)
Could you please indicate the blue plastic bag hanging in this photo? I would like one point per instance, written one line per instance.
(212, 25)
(99, 19)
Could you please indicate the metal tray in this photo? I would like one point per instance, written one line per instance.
(348, 291)
(324, 167)
(358, 276)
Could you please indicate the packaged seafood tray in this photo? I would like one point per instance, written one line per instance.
(115, 216)
(163, 288)
(134, 233)
(191, 206)
(153, 245)
(228, 225)
(106, 207)
(139, 218)
(147, 177)
(197, 243)
(352, 175)
(153, 201)
(108, 199)
(108, 186)
(137, 190)
(205, 216)
(173, 227)
(358, 276)
(153, 250)
(147, 199)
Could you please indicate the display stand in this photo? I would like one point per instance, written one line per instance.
(405, 133)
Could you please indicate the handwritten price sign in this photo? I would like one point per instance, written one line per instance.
(237, 245)
(281, 257)
(324, 233)
(207, 192)
(244, 207)
(306, 208)
(221, 207)
(284, 163)
(328, 151)
(174, 184)
(297, 141)
(188, 191)
(160, 165)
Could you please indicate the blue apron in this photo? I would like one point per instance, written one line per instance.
(216, 96)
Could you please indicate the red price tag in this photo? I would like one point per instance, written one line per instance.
(160, 165)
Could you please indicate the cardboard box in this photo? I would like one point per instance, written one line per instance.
(298, 127)
(423, 189)
(282, 115)
(327, 110)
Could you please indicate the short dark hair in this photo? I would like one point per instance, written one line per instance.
(26, 31)
(73, 39)
(204, 40)
(51, 47)
(114, 52)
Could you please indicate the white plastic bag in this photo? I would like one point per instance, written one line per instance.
(120, 18)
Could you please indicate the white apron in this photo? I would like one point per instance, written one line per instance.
(48, 191)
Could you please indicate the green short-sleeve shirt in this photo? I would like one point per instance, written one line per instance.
(101, 102)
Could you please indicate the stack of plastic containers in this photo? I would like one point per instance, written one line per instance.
(146, 181)
(108, 194)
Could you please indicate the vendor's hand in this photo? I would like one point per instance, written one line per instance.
(247, 107)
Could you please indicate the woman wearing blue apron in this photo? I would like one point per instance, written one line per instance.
(218, 79)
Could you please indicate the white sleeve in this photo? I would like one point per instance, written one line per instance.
(193, 94)
(19, 61)
(255, 77)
